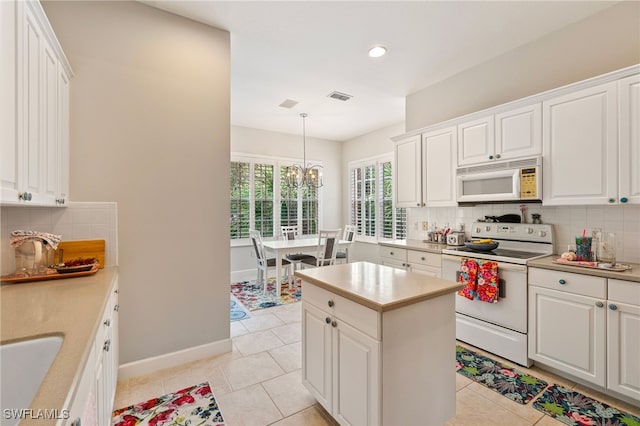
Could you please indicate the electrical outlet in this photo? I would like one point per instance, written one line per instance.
(425, 225)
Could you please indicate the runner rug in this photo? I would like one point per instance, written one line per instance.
(574, 408)
(515, 385)
(194, 405)
(252, 296)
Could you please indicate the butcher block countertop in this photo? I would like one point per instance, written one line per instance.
(378, 287)
(70, 308)
(632, 274)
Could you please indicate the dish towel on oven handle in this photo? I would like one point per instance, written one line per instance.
(469, 277)
(487, 289)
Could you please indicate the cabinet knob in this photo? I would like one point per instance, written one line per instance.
(391, 253)
(334, 323)
(422, 258)
(116, 308)
(417, 204)
(599, 304)
(116, 291)
(562, 282)
(612, 307)
(491, 157)
(26, 196)
(330, 303)
(107, 322)
(624, 199)
(327, 320)
(498, 156)
(107, 345)
(612, 200)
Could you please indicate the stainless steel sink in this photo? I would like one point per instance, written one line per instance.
(23, 366)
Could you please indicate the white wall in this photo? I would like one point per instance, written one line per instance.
(150, 113)
(604, 42)
(262, 142)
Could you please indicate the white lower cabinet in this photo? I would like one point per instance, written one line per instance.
(341, 366)
(412, 260)
(94, 396)
(367, 368)
(623, 334)
(587, 327)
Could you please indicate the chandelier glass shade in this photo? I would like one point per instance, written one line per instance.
(306, 174)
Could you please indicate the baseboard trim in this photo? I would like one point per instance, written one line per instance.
(173, 359)
(244, 275)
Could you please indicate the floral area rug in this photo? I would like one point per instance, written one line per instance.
(251, 295)
(191, 406)
(515, 385)
(574, 408)
(237, 311)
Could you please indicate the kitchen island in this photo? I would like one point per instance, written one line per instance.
(378, 344)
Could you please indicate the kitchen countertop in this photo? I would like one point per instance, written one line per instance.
(70, 308)
(416, 245)
(632, 274)
(378, 287)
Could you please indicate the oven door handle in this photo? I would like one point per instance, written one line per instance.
(502, 288)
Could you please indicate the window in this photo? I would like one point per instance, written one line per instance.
(257, 189)
(371, 203)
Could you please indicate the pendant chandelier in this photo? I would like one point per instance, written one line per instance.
(305, 175)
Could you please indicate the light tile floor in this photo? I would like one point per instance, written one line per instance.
(258, 383)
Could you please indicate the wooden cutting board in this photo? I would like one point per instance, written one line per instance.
(80, 248)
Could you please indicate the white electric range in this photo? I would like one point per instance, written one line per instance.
(500, 328)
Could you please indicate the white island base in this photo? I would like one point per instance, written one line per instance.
(378, 344)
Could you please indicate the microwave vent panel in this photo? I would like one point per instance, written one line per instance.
(503, 165)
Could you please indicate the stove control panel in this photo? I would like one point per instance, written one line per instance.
(541, 233)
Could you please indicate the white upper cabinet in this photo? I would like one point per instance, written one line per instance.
(35, 146)
(519, 132)
(440, 152)
(629, 145)
(476, 141)
(511, 134)
(580, 147)
(408, 172)
(424, 169)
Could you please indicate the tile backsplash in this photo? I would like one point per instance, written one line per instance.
(77, 221)
(568, 221)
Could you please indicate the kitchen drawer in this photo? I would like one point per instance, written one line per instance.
(624, 292)
(358, 316)
(393, 253)
(569, 282)
(424, 258)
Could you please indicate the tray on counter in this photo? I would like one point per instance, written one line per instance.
(51, 274)
(618, 267)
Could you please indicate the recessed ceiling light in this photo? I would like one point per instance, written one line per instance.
(377, 51)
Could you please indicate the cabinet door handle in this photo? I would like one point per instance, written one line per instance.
(327, 320)
(612, 307)
(599, 304)
(562, 282)
(330, 303)
(334, 323)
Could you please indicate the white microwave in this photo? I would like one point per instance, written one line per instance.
(516, 180)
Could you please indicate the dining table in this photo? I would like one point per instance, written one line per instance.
(281, 248)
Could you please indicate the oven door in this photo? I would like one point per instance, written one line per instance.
(511, 309)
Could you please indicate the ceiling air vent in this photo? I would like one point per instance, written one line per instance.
(340, 96)
(288, 103)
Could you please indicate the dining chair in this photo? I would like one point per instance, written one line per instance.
(291, 233)
(327, 249)
(348, 235)
(264, 263)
